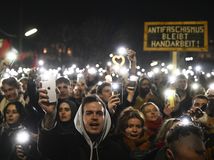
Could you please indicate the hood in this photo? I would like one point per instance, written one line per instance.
(78, 122)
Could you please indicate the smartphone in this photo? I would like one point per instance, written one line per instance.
(170, 98)
(132, 85)
(132, 82)
(117, 89)
(50, 85)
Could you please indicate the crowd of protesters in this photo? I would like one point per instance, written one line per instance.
(90, 121)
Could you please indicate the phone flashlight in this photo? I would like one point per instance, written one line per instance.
(170, 97)
(22, 137)
(115, 88)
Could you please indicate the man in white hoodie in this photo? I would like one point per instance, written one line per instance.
(90, 142)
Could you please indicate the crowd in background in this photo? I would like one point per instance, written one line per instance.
(96, 121)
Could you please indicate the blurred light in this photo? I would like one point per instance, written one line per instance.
(99, 83)
(41, 62)
(138, 67)
(169, 92)
(20, 70)
(133, 78)
(108, 78)
(189, 59)
(6, 75)
(45, 50)
(154, 63)
(208, 75)
(162, 64)
(116, 68)
(172, 79)
(115, 86)
(109, 63)
(122, 51)
(143, 70)
(100, 69)
(195, 86)
(11, 55)
(77, 70)
(139, 73)
(190, 67)
(31, 32)
(170, 67)
(80, 77)
(150, 74)
(185, 121)
(97, 65)
(69, 51)
(198, 68)
(177, 72)
(100, 74)
(22, 137)
(92, 70)
(123, 71)
(211, 86)
(156, 70)
(74, 66)
(111, 55)
(42, 70)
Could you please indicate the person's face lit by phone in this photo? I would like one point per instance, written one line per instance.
(151, 112)
(106, 93)
(64, 90)
(10, 92)
(199, 102)
(12, 116)
(134, 129)
(64, 112)
(93, 118)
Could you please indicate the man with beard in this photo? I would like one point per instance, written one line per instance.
(146, 94)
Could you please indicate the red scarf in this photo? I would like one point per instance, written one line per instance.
(153, 126)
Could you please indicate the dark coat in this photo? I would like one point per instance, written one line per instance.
(73, 146)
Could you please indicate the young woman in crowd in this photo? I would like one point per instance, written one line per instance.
(12, 147)
(66, 111)
(130, 133)
(153, 120)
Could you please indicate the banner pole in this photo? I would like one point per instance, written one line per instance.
(174, 61)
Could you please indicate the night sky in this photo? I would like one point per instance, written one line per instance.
(97, 28)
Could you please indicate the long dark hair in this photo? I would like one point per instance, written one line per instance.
(20, 109)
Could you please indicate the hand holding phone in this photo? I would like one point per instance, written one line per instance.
(50, 86)
(113, 101)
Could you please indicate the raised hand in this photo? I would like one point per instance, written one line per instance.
(49, 109)
(113, 102)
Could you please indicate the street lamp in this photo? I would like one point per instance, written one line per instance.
(31, 32)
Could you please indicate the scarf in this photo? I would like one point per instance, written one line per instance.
(153, 126)
(142, 143)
